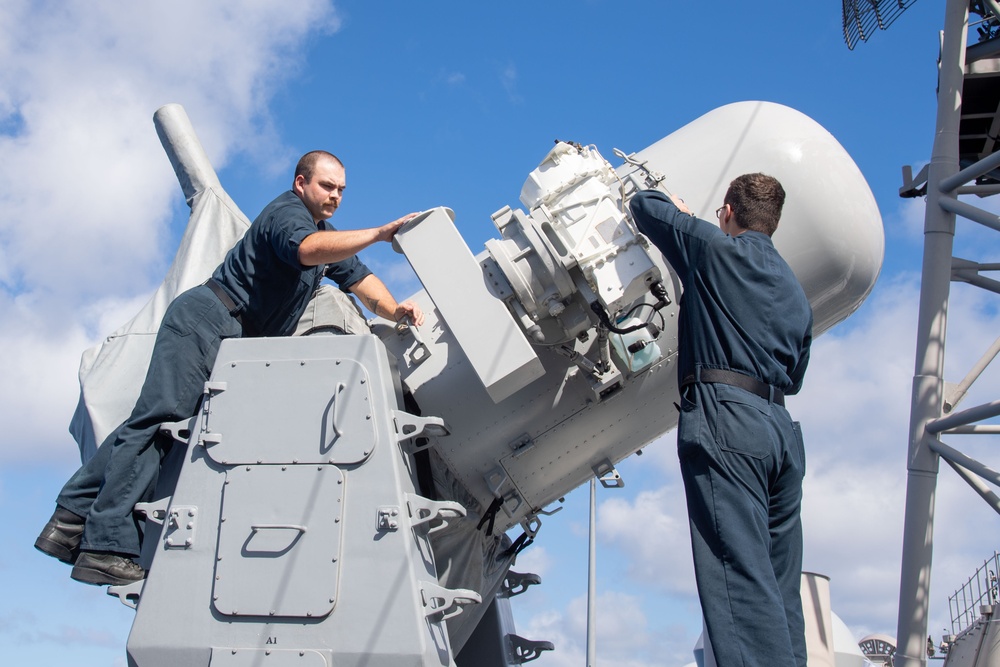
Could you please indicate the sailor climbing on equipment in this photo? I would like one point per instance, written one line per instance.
(261, 288)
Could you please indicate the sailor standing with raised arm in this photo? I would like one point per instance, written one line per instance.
(745, 332)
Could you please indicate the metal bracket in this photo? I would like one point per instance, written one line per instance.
(155, 511)
(179, 431)
(516, 583)
(181, 527)
(212, 388)
(525, 650)
(495, 479)
(419, 353)
(424, 511)
(387, 518)
(411, 426)
(913, 187)
(531, 526)
(128, 594)
(445, 602)
(652, 177)
(209, 439)
(546, 512)
(512, 497)
(523, 444)
(608, 476)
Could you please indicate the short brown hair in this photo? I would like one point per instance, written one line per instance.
(307, 164)
(756, 200)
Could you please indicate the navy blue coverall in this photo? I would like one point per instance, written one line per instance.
(269, 290)
(741, 455)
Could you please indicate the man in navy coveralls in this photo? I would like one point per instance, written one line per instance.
(261, 288)
(745, 331)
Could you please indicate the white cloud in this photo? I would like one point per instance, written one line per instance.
(508, 79)
(86, 192)
(38, 383)
(536, 560)
(972, 240)
(625, 635)
(857, 389)
(652, 531)
(85, 187)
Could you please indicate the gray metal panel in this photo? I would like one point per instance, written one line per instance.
(379, 616)
(566, 429)
(332, 412)
(493, 342)
(564, 455)
(279, 541)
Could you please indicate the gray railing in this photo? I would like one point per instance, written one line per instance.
(980, 590)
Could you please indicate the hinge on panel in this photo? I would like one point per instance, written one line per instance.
(209, 439)
(521, 445)
(212, 388)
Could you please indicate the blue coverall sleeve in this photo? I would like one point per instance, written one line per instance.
(286, 230)
(680, 236)
(347, 272)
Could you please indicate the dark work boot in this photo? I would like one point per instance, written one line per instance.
(100, 568)
(60, 538)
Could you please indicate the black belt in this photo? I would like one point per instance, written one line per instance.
(226, 300)
(753, 385)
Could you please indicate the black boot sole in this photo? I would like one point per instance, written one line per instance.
(96, 577)
(56, 550)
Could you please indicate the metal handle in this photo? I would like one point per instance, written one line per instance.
(273, 548)
(336, 409)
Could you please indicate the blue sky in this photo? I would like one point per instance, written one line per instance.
(454, 103)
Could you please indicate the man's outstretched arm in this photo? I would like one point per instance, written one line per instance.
(326, 247)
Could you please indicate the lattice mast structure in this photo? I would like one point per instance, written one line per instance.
(964, 161)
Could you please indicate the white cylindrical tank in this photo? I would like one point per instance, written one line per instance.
(830, 231)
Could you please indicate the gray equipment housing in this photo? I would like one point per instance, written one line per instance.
(295, 533)
(295, 525)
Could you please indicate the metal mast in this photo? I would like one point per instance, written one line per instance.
(957, 144)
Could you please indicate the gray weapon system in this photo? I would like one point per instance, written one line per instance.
(344, 500)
